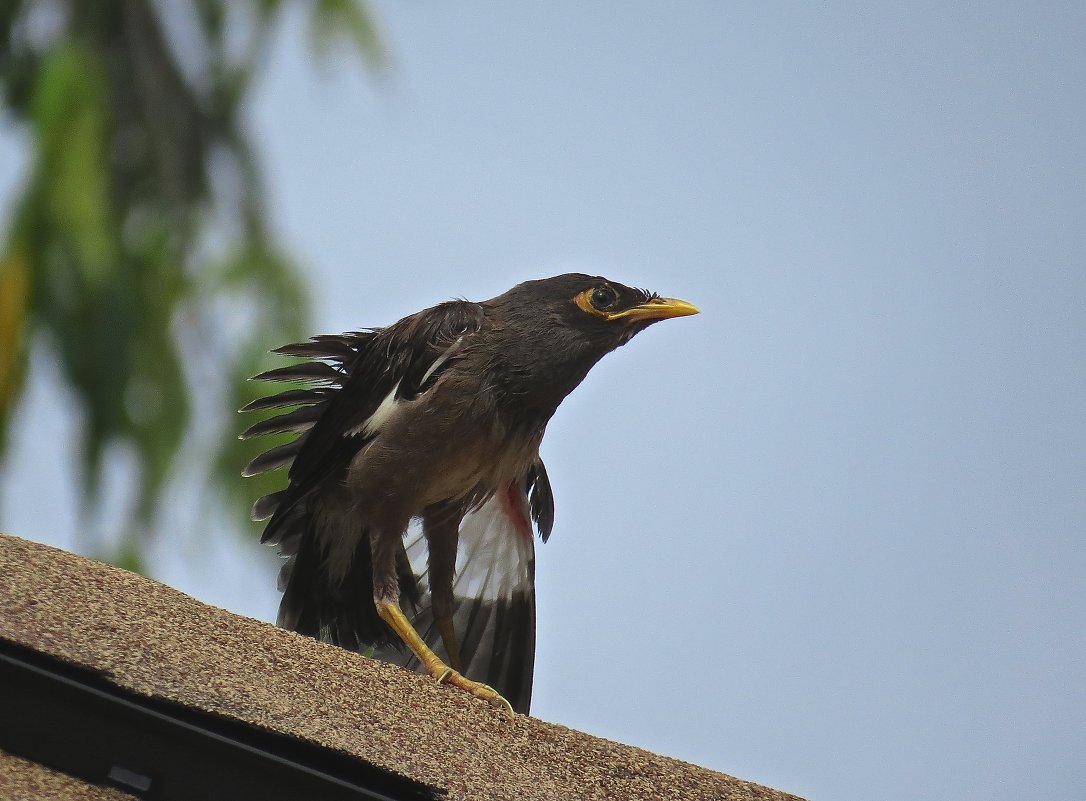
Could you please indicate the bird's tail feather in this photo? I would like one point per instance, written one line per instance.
(339, 612)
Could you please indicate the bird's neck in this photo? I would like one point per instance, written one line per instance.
(530, 388)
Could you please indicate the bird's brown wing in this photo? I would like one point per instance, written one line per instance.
(494, 589)
(348, 377)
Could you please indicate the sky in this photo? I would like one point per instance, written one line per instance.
(830, 534)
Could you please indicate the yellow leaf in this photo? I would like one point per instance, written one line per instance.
(14, 300)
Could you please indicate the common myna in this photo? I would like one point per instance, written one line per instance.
(415, 478)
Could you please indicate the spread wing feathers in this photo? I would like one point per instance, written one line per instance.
(494, 592)
(350, 376)
(294, 422)
(290, 397)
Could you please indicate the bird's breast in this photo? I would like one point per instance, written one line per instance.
(446, 446)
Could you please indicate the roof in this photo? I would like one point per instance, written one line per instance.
(23, 780)
(144, 640)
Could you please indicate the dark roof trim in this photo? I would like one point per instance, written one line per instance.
(76, 721)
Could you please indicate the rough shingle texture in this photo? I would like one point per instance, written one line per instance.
(156, 641)
(21, 780)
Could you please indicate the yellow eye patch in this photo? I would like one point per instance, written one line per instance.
(598, 300)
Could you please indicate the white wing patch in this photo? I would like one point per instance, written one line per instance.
(376, 421)
(372, 424)
(494, 558)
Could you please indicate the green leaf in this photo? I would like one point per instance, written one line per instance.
(115, 246)
(71, 116)
(336, 21)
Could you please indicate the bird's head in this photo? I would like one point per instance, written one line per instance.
(588, 309)
(559, 327)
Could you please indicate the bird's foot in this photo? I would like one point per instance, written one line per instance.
(476, 688)
(391, 613)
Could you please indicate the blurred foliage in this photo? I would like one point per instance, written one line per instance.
(139, 250)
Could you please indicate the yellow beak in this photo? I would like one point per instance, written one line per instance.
(656, 309)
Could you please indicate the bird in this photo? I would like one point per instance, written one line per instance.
(415, 482)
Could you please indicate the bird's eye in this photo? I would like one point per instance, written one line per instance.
(603, 297)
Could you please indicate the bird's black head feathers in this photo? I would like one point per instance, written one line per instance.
(591, 306)
(556, 329)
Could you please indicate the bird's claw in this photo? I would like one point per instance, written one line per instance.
(476, 688)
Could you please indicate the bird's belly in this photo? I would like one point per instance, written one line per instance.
(419, 460)
(472, 473)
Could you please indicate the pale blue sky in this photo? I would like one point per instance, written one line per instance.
(828, 535)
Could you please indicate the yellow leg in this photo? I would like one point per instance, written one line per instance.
(394, 616)
(452, 644)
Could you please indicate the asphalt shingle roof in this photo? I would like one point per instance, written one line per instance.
(22, 780)
(158, 642)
